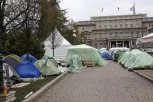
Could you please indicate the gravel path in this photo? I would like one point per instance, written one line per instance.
(111, 83)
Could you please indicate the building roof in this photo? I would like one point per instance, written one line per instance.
(112, 17)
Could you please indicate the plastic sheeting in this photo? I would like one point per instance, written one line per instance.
(47, 67)
(124, 57)
(136, 59)
(85, 52)
(117, 55)
(75, 63)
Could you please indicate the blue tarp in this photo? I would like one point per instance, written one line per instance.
(28, 58)
(27, 70)
(105, 55)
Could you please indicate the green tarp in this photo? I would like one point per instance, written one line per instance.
(117, 55)
(136, 59)
(75, 63)
(47, 67)
(124, 57)
(84, 52)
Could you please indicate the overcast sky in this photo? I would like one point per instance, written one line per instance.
(80, 10)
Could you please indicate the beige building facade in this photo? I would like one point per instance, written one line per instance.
(115, 31)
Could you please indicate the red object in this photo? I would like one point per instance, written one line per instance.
(6, 89)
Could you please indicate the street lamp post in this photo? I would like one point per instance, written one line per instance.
(74, 36)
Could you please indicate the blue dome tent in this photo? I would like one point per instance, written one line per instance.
(105, 55)
(28, 58)
(28, 70)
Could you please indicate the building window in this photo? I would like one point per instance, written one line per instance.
(110, 33)
(105, 26)
(115, 26)
(82, 28)
(137, 33)
(121, 32)
(131, 25)
(99, 26)
(126, 25)
(121, 25)
(110, 26)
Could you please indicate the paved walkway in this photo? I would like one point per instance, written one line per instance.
(107, 84)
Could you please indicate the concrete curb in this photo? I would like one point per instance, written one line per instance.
(143, 75)
(42, 90)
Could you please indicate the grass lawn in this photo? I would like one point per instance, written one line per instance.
(33, 86)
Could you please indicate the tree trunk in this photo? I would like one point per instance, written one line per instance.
(2, 30)
(53, 52)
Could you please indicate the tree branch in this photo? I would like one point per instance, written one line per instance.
(16, 17)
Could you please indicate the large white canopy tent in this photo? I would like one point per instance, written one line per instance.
(59, 52)
(146, 39)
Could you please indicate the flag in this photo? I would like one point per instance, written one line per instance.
(102, 10)
(133, 9)
(118, 8)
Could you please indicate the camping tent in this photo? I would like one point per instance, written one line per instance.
(86, 53)
(51, 59)
(10, 64)
(146, 39)
(103, 50)
(117, 55)
(105, 55)
(47, 67)
(28, 70)
(115, 49)
(11, 74)
(136, 59)
(59, 52)
(15, 56)
(124, 57)
(11, 61)
(28, 58)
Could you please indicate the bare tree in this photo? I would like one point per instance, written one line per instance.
(33, 19)
(55, 39)
(16, 14)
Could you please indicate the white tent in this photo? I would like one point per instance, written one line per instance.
(59, 52)
(146, 39)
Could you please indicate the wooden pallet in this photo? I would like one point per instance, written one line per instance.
(88, 63)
